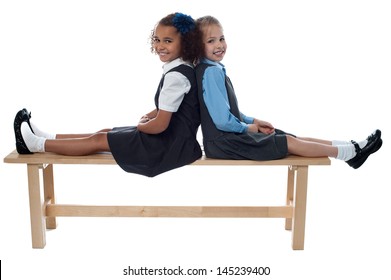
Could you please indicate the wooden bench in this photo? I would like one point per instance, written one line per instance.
(44, 210)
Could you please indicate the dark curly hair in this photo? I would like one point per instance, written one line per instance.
(191, 41)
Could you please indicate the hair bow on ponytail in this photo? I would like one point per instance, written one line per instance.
(183, 23)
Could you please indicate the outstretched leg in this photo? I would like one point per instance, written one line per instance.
(316, 140)
(46, 135)
(79, 146)
(29, 139)
(40, 133)
(355, 154)
(84, 135)
(93, 143)
(313, 148)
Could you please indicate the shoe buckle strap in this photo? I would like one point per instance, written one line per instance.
(356, 146)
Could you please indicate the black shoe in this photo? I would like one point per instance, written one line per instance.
(374, 144)
(22, 116)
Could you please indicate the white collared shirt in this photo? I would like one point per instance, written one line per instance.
(174, 88)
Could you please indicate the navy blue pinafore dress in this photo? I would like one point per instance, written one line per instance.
(153, 154)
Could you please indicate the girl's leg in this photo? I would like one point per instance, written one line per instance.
(308, 139)
(334, 142)
(74, 147)
(355, 154)
(312, 148)
(46, 135)
(79, 146)
(84, 135)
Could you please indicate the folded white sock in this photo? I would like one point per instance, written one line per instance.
(346, 152)
(362, 143)
(41, 133)
(33, 142)
(339, 142)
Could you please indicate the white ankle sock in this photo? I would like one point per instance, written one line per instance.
(339, 142)
(34, 143)
(335, 143)
(346, 152)
(41, 133)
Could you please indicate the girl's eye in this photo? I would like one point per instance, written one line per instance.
(210, 41)
(157, 40)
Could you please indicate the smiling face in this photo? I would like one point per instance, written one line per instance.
(167, 43)
(214, 42)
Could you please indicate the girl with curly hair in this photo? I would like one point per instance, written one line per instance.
(164, 138)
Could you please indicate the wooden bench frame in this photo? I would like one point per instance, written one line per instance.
(44, 210)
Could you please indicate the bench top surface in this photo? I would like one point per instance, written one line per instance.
(107, 158)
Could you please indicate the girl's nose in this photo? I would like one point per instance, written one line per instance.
(159, 46)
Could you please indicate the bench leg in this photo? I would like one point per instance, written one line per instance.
(48, 189)
(289, 195)
(300, 208)
(37, 216)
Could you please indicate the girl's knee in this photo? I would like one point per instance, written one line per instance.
(290, 139)
(101, 136)
(104, 130)
(99, 140)
(292, 143)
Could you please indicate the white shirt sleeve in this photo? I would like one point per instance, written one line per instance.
(174, 88)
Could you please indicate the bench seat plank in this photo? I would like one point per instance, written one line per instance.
(107, 158)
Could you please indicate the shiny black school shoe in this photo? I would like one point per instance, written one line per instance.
(374, 144)
(22, 116)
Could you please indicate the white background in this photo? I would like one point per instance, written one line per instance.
(313, 68)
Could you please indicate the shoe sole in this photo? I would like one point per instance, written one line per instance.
(21, 146)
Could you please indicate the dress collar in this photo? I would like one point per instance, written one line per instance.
(174, 63)
(214, 63)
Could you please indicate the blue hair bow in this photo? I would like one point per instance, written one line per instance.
(183, 23)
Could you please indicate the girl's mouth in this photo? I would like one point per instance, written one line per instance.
(218, 53)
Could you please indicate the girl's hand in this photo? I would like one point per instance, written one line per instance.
(264, 127)
(155, 125)
(252, 128)
(144, 119)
